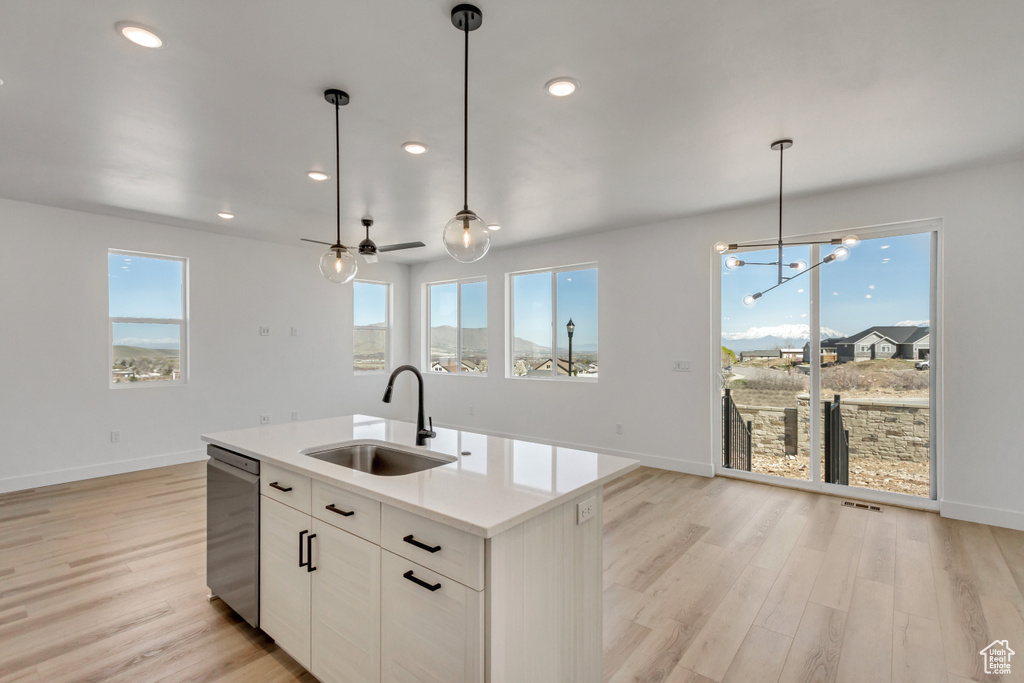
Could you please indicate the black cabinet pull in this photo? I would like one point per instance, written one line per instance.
(421, 582)
(429, 548)
(343, 513)
(275, 485)
(309, 553)
(301, 534)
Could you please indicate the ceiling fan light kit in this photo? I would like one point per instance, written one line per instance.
(840, 253)
(466, 238)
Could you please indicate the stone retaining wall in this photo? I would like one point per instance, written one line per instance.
(882, 428)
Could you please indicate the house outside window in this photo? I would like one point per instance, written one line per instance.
(148, 318)
(886, 348)
(457, 327)
(865, 348)
(371, 326)
(542, 304)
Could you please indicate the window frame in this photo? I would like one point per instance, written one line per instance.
(458, 327)
(388, 308)
(932, 226)
(510, 322)
(183, 365)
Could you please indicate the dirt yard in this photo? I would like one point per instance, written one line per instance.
(911, 478)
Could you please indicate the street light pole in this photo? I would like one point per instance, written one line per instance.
(569, 327)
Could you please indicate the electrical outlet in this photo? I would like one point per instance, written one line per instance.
(618, 427)
(295, 332)
(295, 415)
(264, 419)
(586, 509)
(115, 437)
(680, 366)
(264, 331)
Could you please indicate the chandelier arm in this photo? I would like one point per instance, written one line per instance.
(802, 272)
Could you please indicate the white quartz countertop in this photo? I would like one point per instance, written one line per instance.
(500, 485)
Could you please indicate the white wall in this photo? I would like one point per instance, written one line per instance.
(655, 285)
(55, 401)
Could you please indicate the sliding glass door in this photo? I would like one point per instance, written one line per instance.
(836, 362)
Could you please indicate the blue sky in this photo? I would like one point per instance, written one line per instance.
(369, 303)
(576, 299)
(144, 287)
(444, 304)
(883, 281)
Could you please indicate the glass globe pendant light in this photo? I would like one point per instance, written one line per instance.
(337, 264)
(466, 238)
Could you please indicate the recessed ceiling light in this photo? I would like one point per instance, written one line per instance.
(225, 214)
(138, 34)
(562, 86)
(494, 226)
(414, 147)
(318, 175)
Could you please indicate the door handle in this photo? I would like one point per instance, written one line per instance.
(309, 553)
(421, 582)
(343, 513)
(423, 546)
(301, 534)
(275, 485)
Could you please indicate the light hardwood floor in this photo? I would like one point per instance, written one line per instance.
(705, 580)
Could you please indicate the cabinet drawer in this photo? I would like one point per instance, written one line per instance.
(431, 628)
(456, 554)
(285, 486)
(355, 514)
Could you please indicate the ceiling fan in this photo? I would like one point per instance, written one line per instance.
(367, 249)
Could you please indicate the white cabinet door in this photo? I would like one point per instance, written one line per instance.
(284, 585)
(346, 607)
(431, 632)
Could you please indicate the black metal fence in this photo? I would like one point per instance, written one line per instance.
(736, 447)
(837, 445)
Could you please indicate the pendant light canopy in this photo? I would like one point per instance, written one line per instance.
(337, 264)
(466, 237)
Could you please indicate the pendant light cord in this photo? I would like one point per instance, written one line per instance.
(465, 124)
(337, 169)
(782, 150)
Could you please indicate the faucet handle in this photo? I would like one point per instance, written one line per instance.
(430, 432)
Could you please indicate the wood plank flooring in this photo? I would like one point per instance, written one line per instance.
(704, 580)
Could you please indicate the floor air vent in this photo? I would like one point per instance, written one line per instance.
(861, 506)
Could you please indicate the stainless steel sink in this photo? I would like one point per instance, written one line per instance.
(377, 459)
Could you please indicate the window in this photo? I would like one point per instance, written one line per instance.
(370, 325)
(457, 334)
(148, 321)
(886, 348)
(865, 348)
(543, 303)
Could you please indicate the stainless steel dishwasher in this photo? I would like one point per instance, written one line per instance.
(233, 531)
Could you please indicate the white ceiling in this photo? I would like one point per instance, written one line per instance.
(679, 101)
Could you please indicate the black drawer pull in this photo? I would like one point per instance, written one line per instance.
(343, 513)
(309, 553)
(301, 562)
(421, 582)
(275, 485)
(423, 546)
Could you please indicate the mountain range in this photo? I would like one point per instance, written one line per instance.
(783, 336)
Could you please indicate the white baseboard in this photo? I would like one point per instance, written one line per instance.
(33, 481)
(658, 461)
(982, 515)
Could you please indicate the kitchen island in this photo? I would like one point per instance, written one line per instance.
(485, 568)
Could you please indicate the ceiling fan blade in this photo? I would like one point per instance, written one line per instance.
(316, 241)
(404, 245)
